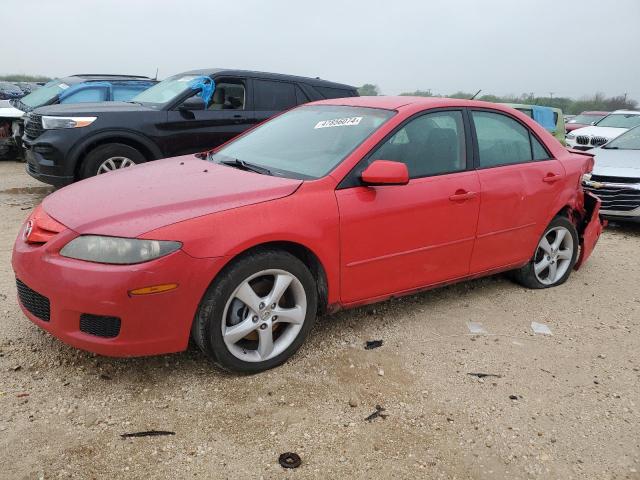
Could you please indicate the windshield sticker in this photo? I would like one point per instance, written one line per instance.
(63, 86)
(338, 122)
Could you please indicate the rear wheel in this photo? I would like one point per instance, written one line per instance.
(110, 157)
(554, 257)
(257, 313)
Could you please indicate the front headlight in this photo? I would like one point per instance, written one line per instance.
(50, 123)
(115, 250)
(571, 135)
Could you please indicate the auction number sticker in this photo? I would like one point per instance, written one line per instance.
(339, 122)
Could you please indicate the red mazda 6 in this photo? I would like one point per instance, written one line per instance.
(330, 205)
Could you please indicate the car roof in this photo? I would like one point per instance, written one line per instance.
(271, 76)
(400, 101)
(595, 112)
(627, 112)
(97, 77)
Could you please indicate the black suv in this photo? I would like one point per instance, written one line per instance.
(183, 114)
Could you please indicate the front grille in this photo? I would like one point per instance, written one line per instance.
(604, 178)
(100, 326)
(619, 199)
(582, 140)
(32, 168)
(36, 304)
(597, 141)
(33, 126)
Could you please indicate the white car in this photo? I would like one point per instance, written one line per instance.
(611, 126)
(615, 178)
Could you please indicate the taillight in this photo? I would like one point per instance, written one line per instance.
(40, 227)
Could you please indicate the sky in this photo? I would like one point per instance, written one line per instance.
(568, 47)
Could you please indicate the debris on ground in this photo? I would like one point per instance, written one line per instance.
(484, 375)
(21, 395)
(289, 460)
(353, 402)
(105, 377)
(515, 397)
(476, 328)
(377, 413)
(371, 344)
(148, 433)
(540, 328)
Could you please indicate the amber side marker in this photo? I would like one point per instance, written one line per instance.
(165, 287)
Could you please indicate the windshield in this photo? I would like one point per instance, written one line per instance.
(627, 141)
(586, 119)
(307, 142)
(45, 94)
(165, 91)
(620, 120)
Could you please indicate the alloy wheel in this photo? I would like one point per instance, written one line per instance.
(264, 315)
(553, 255)
(115, 163)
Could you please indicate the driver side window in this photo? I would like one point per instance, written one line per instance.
(430, 144)
(228, 96)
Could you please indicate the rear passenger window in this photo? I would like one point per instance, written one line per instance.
(330, 92)
(271, 95)
(539, 152)
(501, 140)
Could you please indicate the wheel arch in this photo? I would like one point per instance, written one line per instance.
(145, 146)
(302, 253)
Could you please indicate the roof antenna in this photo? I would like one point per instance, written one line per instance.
(156, 77)
(476, 94)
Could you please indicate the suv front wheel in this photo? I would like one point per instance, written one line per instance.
(110, 157)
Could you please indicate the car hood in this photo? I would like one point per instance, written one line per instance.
(595, 131)
(616, 163)
(139, 199)
(9, 111)
(91, 108)
(574, 126)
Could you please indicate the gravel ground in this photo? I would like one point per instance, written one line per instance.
(563, 406)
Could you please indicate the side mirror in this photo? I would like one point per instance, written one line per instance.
(385, 172)
(192, 103)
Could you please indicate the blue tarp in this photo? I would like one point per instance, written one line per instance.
(545, 117)
(206, 85)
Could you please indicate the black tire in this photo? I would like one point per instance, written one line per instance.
(207, 324)
(526, 275)
(96, 157)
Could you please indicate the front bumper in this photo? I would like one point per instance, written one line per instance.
(45, 169)
(620, 201)
(149, 324)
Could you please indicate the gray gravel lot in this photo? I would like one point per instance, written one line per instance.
(575, 411)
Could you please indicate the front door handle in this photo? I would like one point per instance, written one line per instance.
(462, 196)
(551, 178)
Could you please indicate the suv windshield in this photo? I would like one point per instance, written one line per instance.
(43, 95)
(165, 91)
(307, 142)
(620, 120)
(627, 141)
(586, 119)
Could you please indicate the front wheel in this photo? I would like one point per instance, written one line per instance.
(257, 313)
(554, 257)
(110, 157)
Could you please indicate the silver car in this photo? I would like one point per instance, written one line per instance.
(616, 176)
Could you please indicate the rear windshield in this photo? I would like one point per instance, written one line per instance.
(620, 120)
(307, 142)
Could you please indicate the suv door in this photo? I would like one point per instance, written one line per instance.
(399, 238)
(273, 96)
(519, 182)
(228, 113)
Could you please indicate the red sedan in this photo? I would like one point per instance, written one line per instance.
(330, 205)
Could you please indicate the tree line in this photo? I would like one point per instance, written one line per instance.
(570, 106)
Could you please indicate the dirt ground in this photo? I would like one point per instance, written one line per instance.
(574, 410)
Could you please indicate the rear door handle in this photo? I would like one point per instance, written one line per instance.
(551, 178)
(462, 196)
